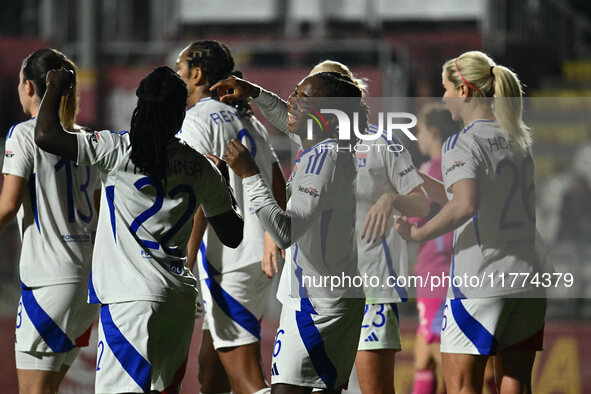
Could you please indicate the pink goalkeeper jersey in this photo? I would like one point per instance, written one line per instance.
(434, 255)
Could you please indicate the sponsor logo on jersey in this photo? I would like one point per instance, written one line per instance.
(456, 164)
(406, 171)
(274, 370)
(309, 190)
(372, 338)
(8, 154)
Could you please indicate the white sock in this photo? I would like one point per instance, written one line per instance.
(266, 390)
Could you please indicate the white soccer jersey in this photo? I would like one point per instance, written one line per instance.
(322, 212)
(500, 239)
(144, 228)
(208, 127)
(384, 168)
(57, 219)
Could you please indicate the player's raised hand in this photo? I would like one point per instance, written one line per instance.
(239, 159)
(234, 88)
(62, 80)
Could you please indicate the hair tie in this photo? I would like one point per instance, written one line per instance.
(465, 81)
(491, 71)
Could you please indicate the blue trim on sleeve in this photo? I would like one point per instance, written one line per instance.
(56, 339)
(231, 307)
(485, 342)
(315, 346)
(131, 360)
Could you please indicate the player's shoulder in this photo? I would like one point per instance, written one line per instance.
(466, 138)
(22, 129)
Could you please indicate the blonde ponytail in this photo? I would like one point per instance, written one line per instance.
(508, 106)
(484, 78)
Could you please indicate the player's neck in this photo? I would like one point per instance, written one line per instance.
(199, 93)
(478, 112)
(34, 110)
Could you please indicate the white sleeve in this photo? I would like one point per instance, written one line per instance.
(401, 171)
(103, 149)
(197, 135)
(19, 154)
(217, 198)
(273, 108)
(459, 160)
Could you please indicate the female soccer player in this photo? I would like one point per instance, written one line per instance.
(387, 183)
(57, 220)
(318, 333)
(153, 184)
(488, 174)
(234, 287)
(435, 125)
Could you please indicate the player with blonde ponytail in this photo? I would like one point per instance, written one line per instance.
(488, 79)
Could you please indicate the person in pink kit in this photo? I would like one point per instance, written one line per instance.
(434, 127)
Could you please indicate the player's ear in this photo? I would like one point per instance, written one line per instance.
(197, 76)
(29, 88)
(464, 91)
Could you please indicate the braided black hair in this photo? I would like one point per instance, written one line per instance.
(159, 114)
(35, 68)
(214, 59)
(339, 85)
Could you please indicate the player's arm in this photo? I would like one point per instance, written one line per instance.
(275, 220)
(456, 212)
(228, 225)
(49, 133)
(434, 188)
(199, 226)
(414, 203)
(272, 106)
(11, 198)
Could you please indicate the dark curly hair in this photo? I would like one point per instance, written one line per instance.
(213, 57)
(162, 98)
(339, 85)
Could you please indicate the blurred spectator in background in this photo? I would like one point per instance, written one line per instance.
(575, 215)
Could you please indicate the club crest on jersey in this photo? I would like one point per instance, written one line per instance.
(456, 164)
(95, 137)
(8, 154)
(309, 190)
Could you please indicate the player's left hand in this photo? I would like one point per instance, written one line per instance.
(271, 254)
(374, 226)
(239, 159)
(407, 231)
